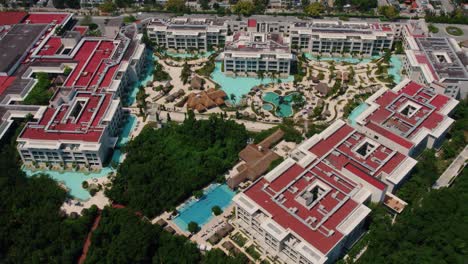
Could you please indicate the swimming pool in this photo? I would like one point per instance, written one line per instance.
(73, 179)
(356, 112)
(283, 109)
(189, 55)
(240, 86)
(267, 107)
(395, 68)
(342, 59)
(199, 211)
(145, 78)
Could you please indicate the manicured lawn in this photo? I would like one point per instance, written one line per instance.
(433, 29)
(253, 252)
(239, 239)
(455, 31)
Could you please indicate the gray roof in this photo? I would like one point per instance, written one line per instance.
(455, 68)
(17, 42)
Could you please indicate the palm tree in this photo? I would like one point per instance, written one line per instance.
(261, 75)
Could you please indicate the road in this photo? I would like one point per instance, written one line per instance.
(443, 33)
(453, 170)
(249, 125)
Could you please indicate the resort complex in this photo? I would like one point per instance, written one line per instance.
(80, 124)
(272, 138)
(251, 53)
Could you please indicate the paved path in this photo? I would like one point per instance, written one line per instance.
(453, 170)
(443, 33)
(249, 125)
(88, 239)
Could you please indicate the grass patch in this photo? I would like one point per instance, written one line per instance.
(239, 239)
(433, 29)
(253, 252)
(454, 31)
(40, 93)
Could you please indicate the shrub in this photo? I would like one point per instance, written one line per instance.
(216, 210)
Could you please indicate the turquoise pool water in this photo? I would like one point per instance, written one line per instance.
(145, 78)
(73, 180)
(356, 112)
(240, 86)
(127, 130)
(284, 109)
(340, 59)
(267, 107)
(199, 211)
(189, 55)
(396, 66)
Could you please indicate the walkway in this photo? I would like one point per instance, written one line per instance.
(87, 244)
(449, 175)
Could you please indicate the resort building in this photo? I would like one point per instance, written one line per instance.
(410, 117)
(438, 61)
(250, 53)
(90, 75)
(82, 131)
(303, 211)
(310, 208)
(188, 33)
(329, 36)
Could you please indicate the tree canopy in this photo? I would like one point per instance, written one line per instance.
(244, 7)
(122, 237)
(314, 9)
(390, 12)
(32, 230)
(176, 6)
(165, 166)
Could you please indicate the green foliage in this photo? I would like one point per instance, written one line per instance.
(198, 194)
(193, 227)
(275, 163)
(159, 74)
(455, 31)
(244, 7)
(67, 71)
(176, 6)
(204, 4)
(32, 229)
(185, 73)
(40, 93)
(389, 11)
(217, 256)
(433, 29)
(129, 19)
(291, 134)
(456, 17)
(163, 167)
(253, 252)
(216, 210)
(108, 7)
(431, 230)
(239, 239)
(207, 68)
(364, 5)
(122, 237)
(314, 9)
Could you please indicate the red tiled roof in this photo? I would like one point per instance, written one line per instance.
(388, 121)
(11, 18)
(252, 23)
(5, 81)
(46, 18)
(54, 126)
(51, 47)
(81, 29)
